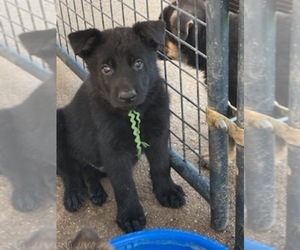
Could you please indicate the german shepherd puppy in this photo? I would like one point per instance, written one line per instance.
(94, 131)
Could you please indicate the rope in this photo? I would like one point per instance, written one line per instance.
(214, 119)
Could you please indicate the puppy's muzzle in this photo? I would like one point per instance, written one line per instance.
(127, 96)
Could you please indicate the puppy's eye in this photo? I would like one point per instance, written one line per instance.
(138, 64)
(106, 70)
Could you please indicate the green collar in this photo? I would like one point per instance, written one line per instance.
(135, 121)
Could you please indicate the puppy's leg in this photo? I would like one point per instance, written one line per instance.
(29, 189)
(95, 190)
(167, 192)
(69, 169)
(75, 190)
(130, 215)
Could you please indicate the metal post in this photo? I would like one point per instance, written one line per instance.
(293, 191)
(259, 80)
(217, 81)
(239, 190)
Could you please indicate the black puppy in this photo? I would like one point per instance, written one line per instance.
(95, 131)
(187, 33)
(27, 133)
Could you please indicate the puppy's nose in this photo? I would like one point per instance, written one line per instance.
(127, 96)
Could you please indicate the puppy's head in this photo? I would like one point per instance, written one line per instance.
(121, 61)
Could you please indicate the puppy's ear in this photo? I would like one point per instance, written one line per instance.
(84, 42)
(152, 33)
(39, 43)
(185, 23)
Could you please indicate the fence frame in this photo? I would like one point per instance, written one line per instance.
(293, 191)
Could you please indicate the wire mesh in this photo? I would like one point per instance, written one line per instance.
(20, 16)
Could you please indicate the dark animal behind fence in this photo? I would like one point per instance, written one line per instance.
(187, 33)
(94, 130)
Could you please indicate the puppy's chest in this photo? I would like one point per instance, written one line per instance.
(126, 131)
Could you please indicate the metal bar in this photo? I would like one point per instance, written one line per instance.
(217, 79)
(20, 16)
(111, 14)
(102, 15)
(135, 12)
(43, 13)
(181, 88)
(198, 87)
(187, 171)
(24, 63)
(259, 79)
(293, 191)
(283, 42)
(123, 14)
(7, 9)
(83, 15)
(239, 188)
(147, 9)
(239, 200)
(71, 63)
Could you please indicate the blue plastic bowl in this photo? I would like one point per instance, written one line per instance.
(254, 245)
(165, 239)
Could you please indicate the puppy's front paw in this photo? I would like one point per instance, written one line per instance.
(172, 196)
(97, 195)
(27, 199)
(130, 220)
(74, 199)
